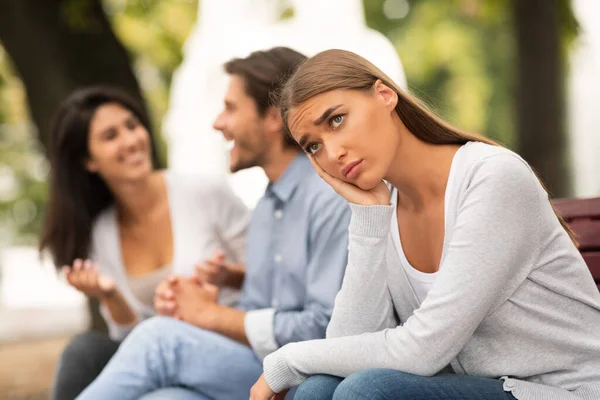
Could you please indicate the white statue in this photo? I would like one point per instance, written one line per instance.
(320, 25)
(199, 83)
(235, 28)
(583, 100)
(225, 29)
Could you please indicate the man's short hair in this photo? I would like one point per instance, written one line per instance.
(264, 74)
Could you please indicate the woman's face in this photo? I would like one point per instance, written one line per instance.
(350, 133)
(119, 145)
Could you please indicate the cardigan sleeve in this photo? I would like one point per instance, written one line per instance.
(494, 238)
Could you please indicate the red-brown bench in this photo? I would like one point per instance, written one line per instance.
(583, 216)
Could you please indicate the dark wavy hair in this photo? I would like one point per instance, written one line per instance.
(78, 196)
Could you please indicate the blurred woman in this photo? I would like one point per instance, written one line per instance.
(462, 282)
(118, 226)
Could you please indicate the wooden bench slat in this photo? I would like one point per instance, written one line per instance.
(583, 216)
(578, 208)
(588, 233)
(592, 259)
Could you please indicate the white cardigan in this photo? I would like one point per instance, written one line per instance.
(513, 298)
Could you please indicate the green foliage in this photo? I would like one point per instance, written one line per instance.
(79, 15)
(153, 31)
(458, 56)
(22, 164)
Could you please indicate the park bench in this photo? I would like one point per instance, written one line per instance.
(583, 216)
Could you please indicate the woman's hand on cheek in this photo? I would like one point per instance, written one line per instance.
(379, 195)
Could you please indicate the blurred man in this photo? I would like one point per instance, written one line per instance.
(297, 253)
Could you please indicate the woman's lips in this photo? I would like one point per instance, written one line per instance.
(351, 169)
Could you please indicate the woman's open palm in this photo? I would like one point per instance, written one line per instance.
(84, 276)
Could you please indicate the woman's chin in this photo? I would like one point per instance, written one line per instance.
(366, 184)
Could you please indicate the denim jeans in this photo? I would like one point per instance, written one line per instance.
(386, 384)
(174, 394)
(166, 358)
(80, 363)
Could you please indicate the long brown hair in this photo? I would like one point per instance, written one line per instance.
(340, 69)
(78, 196)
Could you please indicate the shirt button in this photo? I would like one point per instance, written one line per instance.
(274, 303)
(278, 214)
(278, 258)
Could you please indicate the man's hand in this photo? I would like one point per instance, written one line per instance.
(214, 270)
(219, 271)
(196, 304)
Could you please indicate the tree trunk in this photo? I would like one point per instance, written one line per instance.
(58, 46)
(541, 127)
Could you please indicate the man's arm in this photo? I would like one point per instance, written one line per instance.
(268, 329)
(229, 322)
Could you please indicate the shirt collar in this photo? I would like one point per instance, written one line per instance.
(291, 177)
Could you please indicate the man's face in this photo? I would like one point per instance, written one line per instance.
(241, 124)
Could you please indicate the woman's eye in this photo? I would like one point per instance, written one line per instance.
(109, 134)
(131, 124)
(336, 121)
(313, 147)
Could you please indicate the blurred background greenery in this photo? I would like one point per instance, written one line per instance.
(460, 56)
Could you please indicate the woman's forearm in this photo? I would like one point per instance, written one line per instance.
(118, 308)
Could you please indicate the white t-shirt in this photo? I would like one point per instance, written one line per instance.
(205, 216)
(421, 282)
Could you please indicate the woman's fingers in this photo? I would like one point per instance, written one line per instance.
(321, 172)
(77, 264)
(351, 192)
(88, 276)
(75, 277)
(338, 185)
(84, 276)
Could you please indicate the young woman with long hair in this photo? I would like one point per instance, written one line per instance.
(117, 226)
(462, 281)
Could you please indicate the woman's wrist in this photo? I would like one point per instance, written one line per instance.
(108, 294)
(373, 221)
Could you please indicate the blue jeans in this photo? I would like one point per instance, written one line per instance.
(178, 393)
(166, 358)
(387, 384)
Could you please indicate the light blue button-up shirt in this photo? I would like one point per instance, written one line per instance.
(297, 254)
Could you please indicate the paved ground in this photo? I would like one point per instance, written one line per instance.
(27, 367)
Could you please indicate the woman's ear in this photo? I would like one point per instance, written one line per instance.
(386, 94)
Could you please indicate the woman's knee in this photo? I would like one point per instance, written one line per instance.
(318, 387)
(87, 347)
(80, 363)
